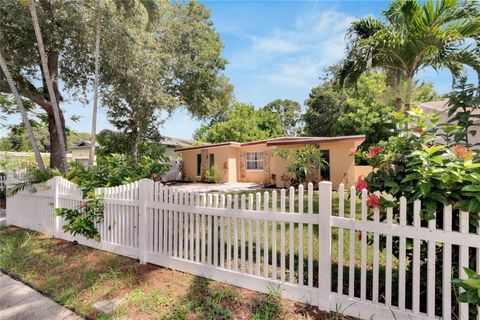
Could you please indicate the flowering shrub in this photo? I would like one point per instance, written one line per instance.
(82, 220)
(413, 163)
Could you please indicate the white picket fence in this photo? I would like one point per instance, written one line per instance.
(278, 240)
(3, 181)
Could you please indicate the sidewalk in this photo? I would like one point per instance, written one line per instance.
(20, 302)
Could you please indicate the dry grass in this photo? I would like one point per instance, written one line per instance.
(77, 277)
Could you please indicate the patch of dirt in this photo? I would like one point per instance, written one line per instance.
(80, 276)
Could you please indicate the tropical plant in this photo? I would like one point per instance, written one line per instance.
(23, 113)
(411, 37)
(464, 114)
(34, 176)
(48, 79)
(91, 155)
(304, 164)
(471, 287)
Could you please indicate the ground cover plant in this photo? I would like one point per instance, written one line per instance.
(149, 292)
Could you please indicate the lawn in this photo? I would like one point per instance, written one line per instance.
(76, 277)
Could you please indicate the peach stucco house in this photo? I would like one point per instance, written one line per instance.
(255, 161)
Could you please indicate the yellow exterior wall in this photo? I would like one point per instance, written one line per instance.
(362, 171)
(229, 160)
(225, 161)
(255, 176)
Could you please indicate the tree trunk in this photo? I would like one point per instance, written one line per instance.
(91, 156)
(60, 130)
(398, 104)
(408, 98)
(136, 145)
(23, 112)
(56, 150)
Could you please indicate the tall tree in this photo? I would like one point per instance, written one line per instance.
(152, 9)
(242, 123)
(411, 37)
(66, 28)
(62, 150)
(365, 109)
(23, 112)
(91, 156)
(175, 62)
(290, 113)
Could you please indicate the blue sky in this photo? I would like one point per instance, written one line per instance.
(275, 49)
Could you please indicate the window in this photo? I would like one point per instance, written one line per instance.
(199, 165)
(254, 160)
(211, 159)
(325, 172)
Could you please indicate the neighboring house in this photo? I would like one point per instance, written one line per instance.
(81, 151)
(171, 144)
(255, 161)
(439, 107)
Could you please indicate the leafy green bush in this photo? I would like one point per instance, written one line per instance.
(214, 174)
(82, 220)
(304, 163)
(471, 286)
(414, 164)
(115, 170)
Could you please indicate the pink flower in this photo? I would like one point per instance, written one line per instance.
(374, 151)
(453, 202)
(373, 201)
(461, 152)
(83, 204)
(361, 184)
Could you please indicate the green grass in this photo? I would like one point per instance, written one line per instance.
(77, 277)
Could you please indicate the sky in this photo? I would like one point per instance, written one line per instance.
(275, 49)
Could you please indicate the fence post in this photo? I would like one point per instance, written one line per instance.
(56, 204)
(324, 244)
(9, 182)
(145, 193)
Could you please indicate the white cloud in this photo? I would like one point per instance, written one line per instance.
(273, 45)
(296, 55)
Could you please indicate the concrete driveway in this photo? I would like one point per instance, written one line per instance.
(216, 187)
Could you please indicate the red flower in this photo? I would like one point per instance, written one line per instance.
(374, 151)
(361, 184)
(453, 202)
(417, 129)
(154, 176)
(373, 201)
(353, 151)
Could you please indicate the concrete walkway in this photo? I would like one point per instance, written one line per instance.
(217, 187)
(20, 302)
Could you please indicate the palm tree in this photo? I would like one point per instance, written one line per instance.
(51, 92)
(91, 155)
(23, 112)
(412, 37)
(152, 11)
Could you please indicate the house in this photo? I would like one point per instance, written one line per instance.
(172, 143)
(81, 151)
(256, 161)
(439, 107)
